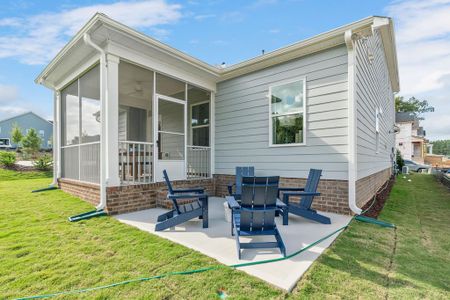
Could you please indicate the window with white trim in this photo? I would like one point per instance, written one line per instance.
(287, 113)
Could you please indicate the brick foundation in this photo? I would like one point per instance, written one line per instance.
(333, 198)
(87, 191)
(367, 187)
(124, 199)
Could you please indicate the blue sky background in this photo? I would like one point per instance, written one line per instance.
(32, 32)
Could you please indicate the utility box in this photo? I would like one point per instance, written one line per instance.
(405, 170)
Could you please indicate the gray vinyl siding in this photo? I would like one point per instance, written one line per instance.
(27, 121)
(242, 119)
(373, 89)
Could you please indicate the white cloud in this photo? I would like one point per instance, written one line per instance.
(423, 43)
(203, 17)
(37, 38)
(8, 93)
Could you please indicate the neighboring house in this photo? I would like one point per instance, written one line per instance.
(410, 139)
(326, 102)
(26, 121)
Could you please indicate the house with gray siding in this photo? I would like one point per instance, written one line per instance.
(25, 122)
(127, 106)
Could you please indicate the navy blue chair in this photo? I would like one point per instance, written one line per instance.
(183, 212)
(240, 172)
(306, 194)
(255, 214)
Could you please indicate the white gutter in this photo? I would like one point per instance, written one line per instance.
(348, 36)
(103, 116)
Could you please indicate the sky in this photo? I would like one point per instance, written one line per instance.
(216, 31)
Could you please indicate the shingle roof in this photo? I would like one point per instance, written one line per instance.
(405, 117)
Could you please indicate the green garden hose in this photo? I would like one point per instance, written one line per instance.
(201, 270)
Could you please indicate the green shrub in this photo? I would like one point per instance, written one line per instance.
(7, 159)
(31, 142)
(399, 160)
(44, 162)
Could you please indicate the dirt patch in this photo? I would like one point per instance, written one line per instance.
(373, 208)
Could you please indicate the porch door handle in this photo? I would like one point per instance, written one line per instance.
(157, 143)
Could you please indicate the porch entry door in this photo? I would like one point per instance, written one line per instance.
(170, 132)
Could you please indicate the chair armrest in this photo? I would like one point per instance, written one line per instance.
(281, 204)
(301, 194)
(189, 190)
(232, 202)
(287, 189)
(230, 188)
(186, 196)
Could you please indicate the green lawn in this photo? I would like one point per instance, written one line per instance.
(41, 252)
(363, 264)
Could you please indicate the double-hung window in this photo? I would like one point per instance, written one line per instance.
(287, 113)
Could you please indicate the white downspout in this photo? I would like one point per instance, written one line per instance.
(351, 124)
(103, 116)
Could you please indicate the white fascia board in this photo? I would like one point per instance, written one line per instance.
(73, 74)
(316, 43)
(40, 79)
(386, 28)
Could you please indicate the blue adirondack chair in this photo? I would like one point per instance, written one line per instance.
(306, 195)
(240, 172)
(255, 214)
(184, 212)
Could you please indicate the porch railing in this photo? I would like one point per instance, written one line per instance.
(198, 162)
(135, 162)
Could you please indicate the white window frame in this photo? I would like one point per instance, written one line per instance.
(191, 131)
(269, 96)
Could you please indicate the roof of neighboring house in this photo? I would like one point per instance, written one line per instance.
(26, 113)
(402, 117)
(319, 42)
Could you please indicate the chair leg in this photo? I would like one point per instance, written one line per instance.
(205, 211)
(280, 242)
(286, 215)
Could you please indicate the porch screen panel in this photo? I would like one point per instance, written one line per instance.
(81, 128)
(90, 162)
(70, 162)
(70, 115)
(90, 106)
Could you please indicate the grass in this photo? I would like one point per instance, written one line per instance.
(7, 175)
(411, 262)
(40, 252)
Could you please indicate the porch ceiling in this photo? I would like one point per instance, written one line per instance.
(217, 242)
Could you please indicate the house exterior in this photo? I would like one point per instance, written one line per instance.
(325, 102)
(26, 121)
(410, 140)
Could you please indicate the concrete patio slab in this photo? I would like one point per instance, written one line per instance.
(217, 242)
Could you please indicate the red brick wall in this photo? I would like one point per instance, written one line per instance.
(367, 187)
(124, 199)
(87, 191)
(333, 198)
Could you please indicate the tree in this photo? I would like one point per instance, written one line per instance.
(413, 105)
(31, 142)
(16, 135)
(441, 147)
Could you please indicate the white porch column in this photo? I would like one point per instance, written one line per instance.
(112, 121)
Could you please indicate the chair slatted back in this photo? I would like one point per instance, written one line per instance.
(311, 186)
(170, 188)
(243, 172)
(258, 203)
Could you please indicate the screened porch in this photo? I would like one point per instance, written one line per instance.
(162, 123)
